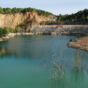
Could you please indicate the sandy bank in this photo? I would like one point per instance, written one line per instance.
(81, 43)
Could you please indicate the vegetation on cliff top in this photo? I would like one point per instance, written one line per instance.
(23, 10)
(80, 17)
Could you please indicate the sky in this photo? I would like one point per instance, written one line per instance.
(55, 6)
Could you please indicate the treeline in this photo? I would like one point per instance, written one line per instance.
(23, 10)
(80, 17)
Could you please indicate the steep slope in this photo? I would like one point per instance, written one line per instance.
(28, 18)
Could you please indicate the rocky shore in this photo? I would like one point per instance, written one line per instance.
(11, 35)
(53, 30)
(61, 29)
(81, 43)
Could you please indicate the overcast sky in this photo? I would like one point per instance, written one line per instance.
(54, 6)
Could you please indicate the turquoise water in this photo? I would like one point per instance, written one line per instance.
(42, 62)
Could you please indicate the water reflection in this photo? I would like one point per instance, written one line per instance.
(5, 52)
(75, 76)
(78, 64)
(2, 51)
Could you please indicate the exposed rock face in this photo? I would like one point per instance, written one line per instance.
(75, 30)
(12, 20)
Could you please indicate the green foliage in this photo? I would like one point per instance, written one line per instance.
(29, 30)
(41, 12)
(3, 31)
(11, 30)
(42, 23)
(80, 17)
(23, 10)
(48, 22)
(17, 29)
(1, 10)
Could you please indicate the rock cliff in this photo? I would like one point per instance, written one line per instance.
(13, 20)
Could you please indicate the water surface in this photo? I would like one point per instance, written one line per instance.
(42, 62)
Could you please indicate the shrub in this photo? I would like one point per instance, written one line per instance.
(4, 31)
(17, 29)
(10, 30)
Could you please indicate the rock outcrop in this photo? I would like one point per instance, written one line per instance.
(13, 20)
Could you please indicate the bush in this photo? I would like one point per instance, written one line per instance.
(4, 31)
(10, 30)
(48, 22)
(17, 29)
(42, 23)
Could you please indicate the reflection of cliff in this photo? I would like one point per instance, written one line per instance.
(26, 47)
(3, 51)
(6, 52)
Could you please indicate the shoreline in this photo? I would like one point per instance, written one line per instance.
(11, 35)
(71, 30)
(61, 29)
(80, 43)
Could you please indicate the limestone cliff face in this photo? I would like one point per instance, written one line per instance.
(13, 20)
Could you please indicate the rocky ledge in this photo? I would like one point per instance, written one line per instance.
(81, 43)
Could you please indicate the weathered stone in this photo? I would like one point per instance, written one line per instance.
(13, 20)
